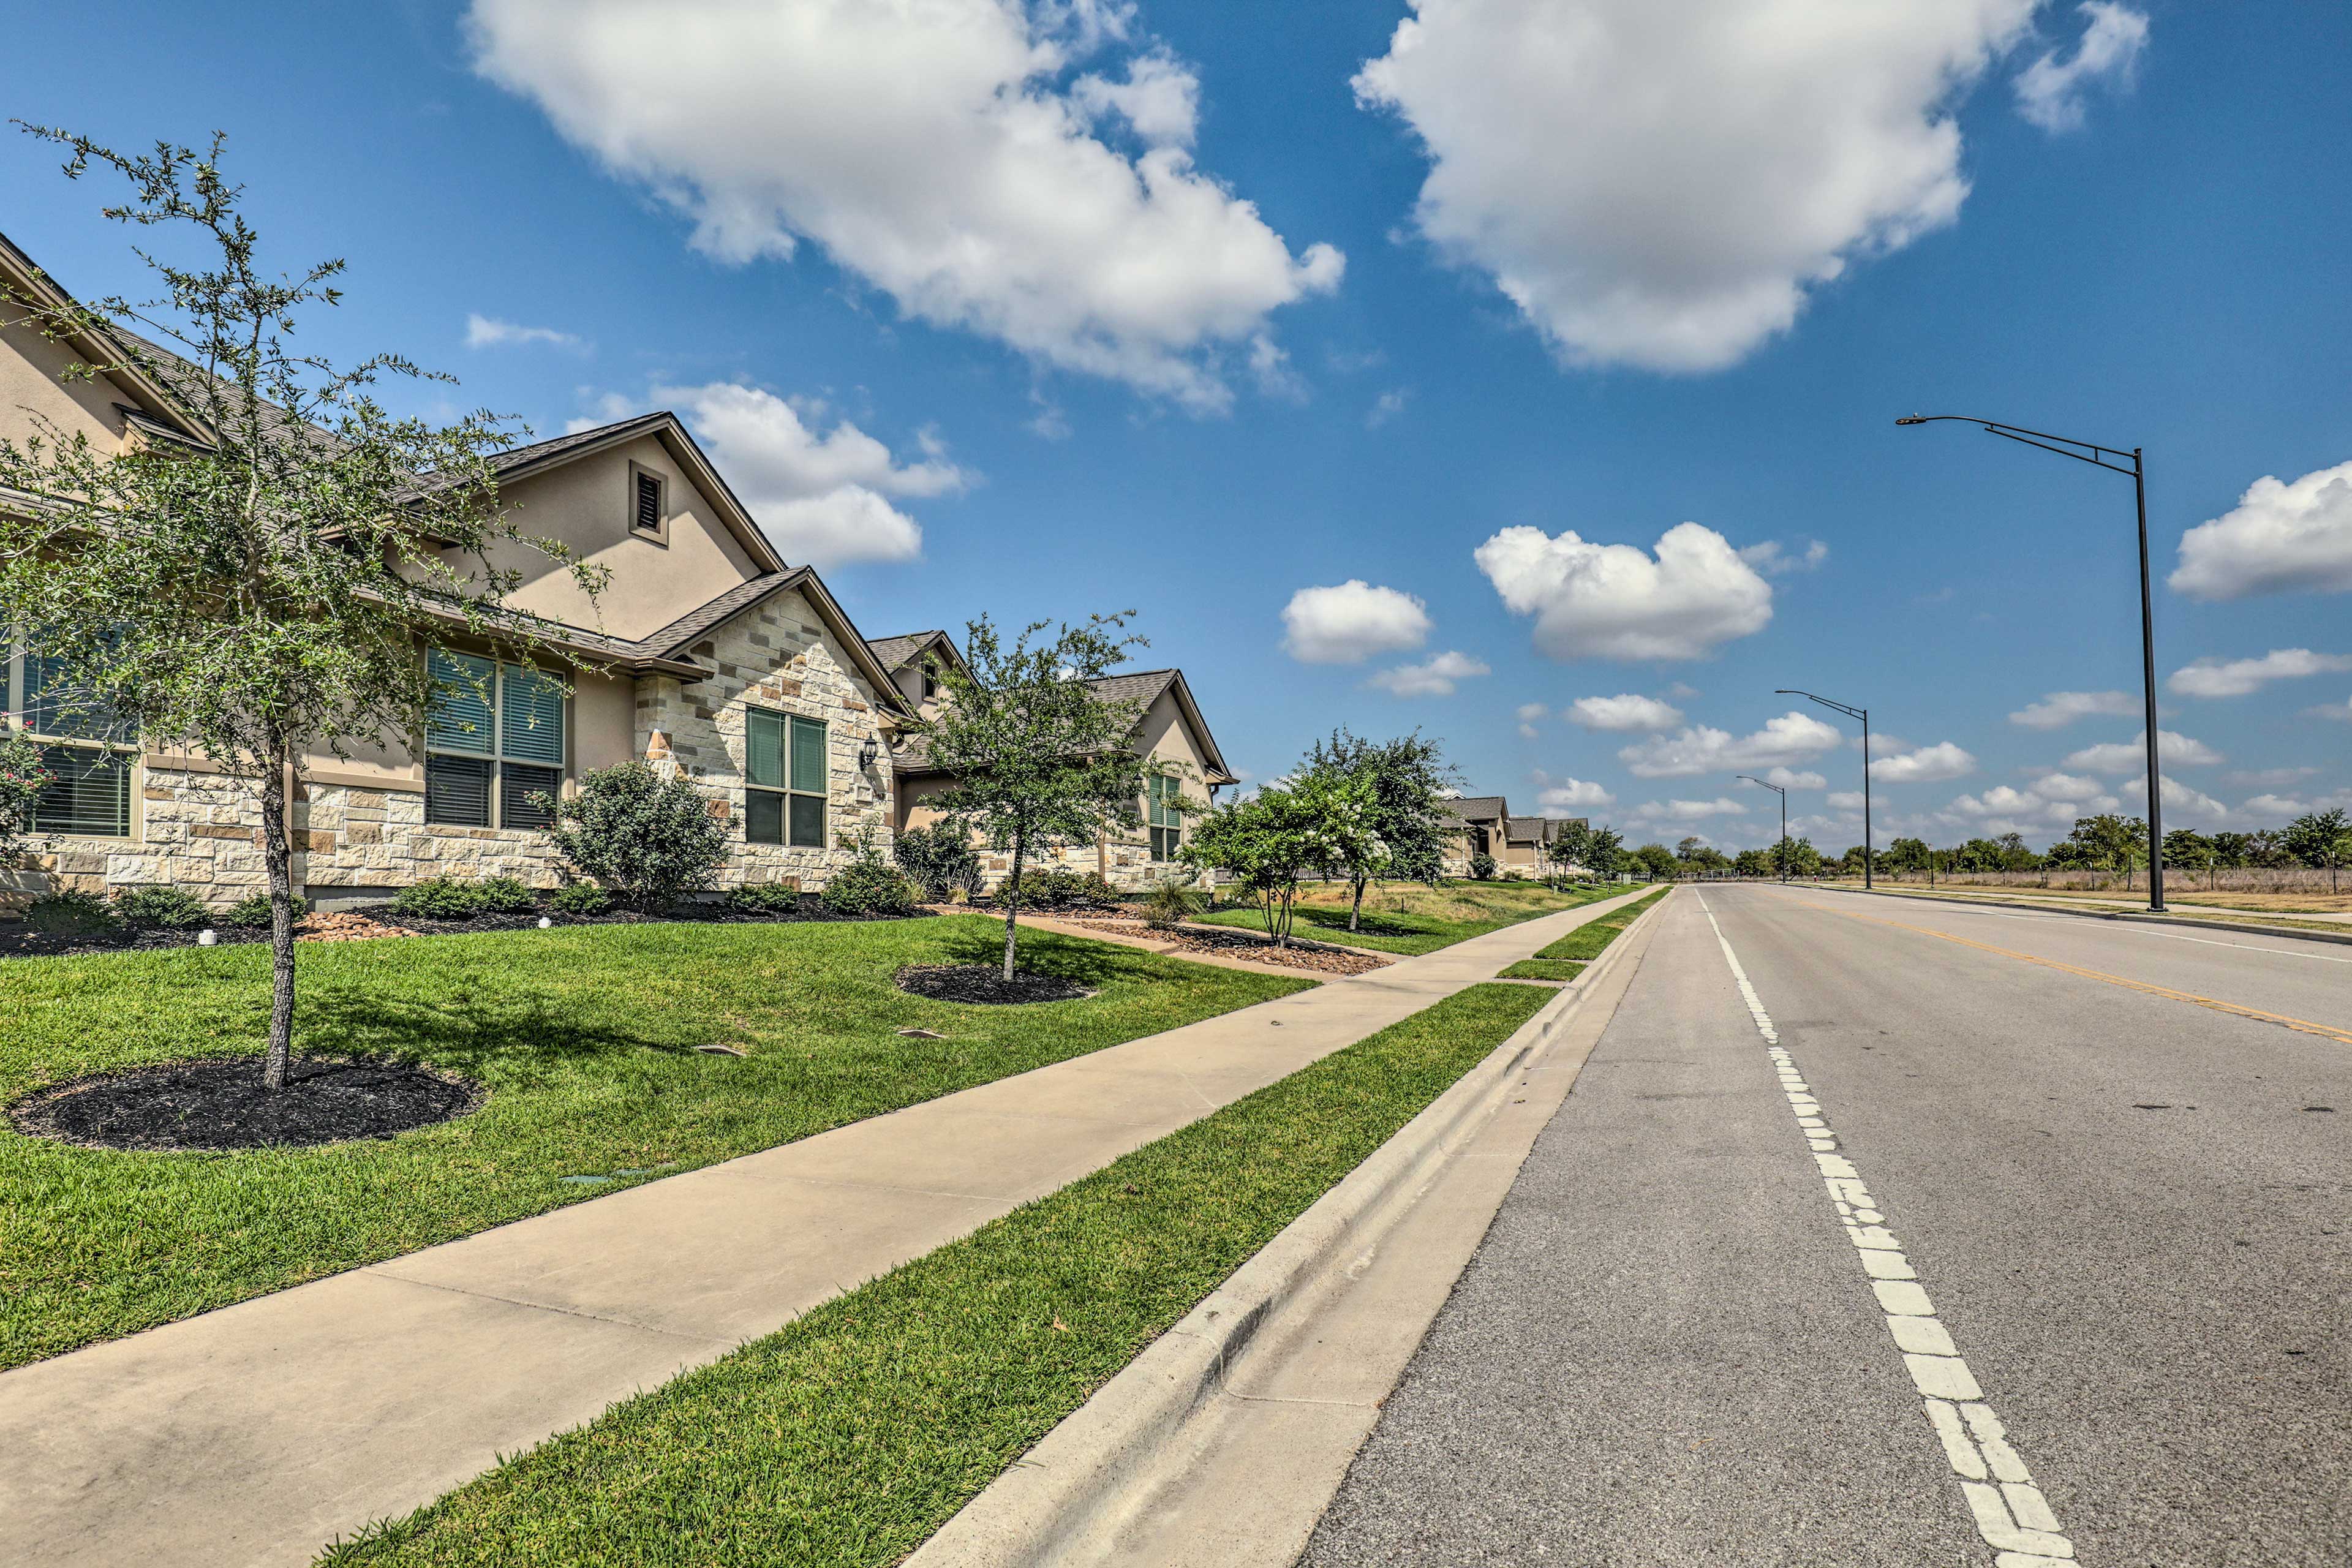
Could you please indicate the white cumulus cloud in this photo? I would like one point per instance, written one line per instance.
(1662, 185)
(2280, 537)
(2173, 750)
(1657, 811)
(2181, 800)
(1349, 622)
(1794, 737)
(2060, 709)
(2050, 90)
(930, 149)
(1431, 678)
(1788, 778)
(489, 333)
(2237, 677)
(1618, 601)
(1625, 713)
(821, 498)
(1927, 764)
(1774, 561)
(1527, 715)
(1573, 795)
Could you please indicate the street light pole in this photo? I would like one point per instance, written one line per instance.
(1781, 851)
(2098, 456)
(1868, 853)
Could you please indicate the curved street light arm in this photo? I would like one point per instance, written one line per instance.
(2099, 452)
(1869, 854)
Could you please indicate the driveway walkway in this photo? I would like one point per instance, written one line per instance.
(250, 1436)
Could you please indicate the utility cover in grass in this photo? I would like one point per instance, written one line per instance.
(220, 1104)
(985, 983)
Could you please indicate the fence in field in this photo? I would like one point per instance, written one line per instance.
(2243, 880)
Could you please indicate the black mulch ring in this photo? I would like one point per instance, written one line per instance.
(985, 983)
(220, 1104)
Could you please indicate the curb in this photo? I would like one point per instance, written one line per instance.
(1071, 1483)
(2191, 922)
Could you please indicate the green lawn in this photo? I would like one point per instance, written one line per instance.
(1541, 969)
(850, 1435)
(1409, 918)
(1586, 942)
(585, 1037)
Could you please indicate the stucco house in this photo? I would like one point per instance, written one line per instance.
(708, 655)
(1168, 733)
(1484, 825)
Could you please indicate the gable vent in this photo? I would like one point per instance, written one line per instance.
(648, 518)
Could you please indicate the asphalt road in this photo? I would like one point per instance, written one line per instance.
(2114, 1188)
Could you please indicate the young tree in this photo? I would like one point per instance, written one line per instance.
(1658, 861)
(1039, 759)
(1604, 852)
(1265, 844)
(1346, 805)
(1571, 844)
(266, 590)
(1406, 780)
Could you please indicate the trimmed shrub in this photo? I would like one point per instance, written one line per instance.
(159, 907)
(579, 898)
(765, 898)
(69, 913)
(439, 899)
(1050, 889)
(868, 885)
(1482, 867)
(253, 913)
(1095, 891)
(506, 895)
(647, 841)
(939, 858)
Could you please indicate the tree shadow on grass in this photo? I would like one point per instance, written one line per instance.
(1087, 963)
(510, 1040)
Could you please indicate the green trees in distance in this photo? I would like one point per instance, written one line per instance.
(1657, 861)
(1039, 758)
(264, 589)
(2319, 838)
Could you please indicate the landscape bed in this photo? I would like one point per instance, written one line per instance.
(1411, 918)
(850, 1435)
(588, 1043)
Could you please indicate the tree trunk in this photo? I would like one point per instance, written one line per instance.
(1356, 908)
(277, 859)
(1013, 901)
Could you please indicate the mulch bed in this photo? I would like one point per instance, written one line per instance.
(220, 1104)
(985, 983)
(1250, 945)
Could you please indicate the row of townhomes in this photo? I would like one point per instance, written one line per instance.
(707, 653)
(1485, 826)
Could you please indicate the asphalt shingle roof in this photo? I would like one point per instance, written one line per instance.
(1478, 807)
(893, 652)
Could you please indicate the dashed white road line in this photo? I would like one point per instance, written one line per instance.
(2009, 1510)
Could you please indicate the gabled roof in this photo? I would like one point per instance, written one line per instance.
(158, 403)
(1479, 808)
(1531, 829)
(896, 653)
(1142, 688)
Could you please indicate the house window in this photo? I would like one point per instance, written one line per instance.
(494, 739)
(786, 779)
(648, 505)
(1161, 814)
(84, 746)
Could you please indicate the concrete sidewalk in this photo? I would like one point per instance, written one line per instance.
(250, 1436)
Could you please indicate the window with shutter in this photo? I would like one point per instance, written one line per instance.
(494, 739)
(85, 747)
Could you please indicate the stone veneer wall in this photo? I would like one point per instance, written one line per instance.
(200, 831)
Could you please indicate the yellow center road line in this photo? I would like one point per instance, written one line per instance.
(2304, 1025)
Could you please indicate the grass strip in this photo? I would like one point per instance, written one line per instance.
(1409, 918)
(852, 1434)
(1587, 942)
(587, 1038)
(1541, 969)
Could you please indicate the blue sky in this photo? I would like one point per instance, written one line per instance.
(1189, 308)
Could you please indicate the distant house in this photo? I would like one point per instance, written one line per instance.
(1169, 731)
(1484, 825)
